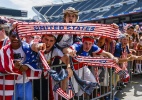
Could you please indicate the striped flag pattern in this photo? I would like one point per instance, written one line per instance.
(125, 26)
(57, 88)
(7, 66)
(101, 61)
(4, 20)
(105, 30)
(7, 60)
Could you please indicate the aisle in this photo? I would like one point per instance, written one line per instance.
(133, 91)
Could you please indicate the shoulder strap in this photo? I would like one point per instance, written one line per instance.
(5, 42)
(59, 38)
(74, 37)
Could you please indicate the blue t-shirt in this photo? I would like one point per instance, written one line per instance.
(118, 50)
(79, 46)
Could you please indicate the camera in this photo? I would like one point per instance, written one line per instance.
(17, 56)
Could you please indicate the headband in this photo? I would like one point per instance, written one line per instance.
(87, 39)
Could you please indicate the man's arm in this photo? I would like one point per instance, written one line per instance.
(132, 50)
(130, 58)
(66, 60)
(107, 54)
(20, 66)
(38, 46)
(70, 51)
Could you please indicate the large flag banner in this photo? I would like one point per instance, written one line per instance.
(25, 29)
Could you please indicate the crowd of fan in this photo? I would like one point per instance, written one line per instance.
(123, 51)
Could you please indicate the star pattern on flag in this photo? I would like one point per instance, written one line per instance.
(27, 51)
(32, 56)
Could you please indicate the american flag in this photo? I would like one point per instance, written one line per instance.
(58, 90)
(53, 73)
(6, 87)
(7, 60)
(125, 26)
(87, 86)
(71, 91)
(3, 20)
(6, 41)
(46, 67)
(102, 61)
(7, 66)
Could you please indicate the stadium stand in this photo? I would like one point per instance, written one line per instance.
(91, 9)
(13, 12)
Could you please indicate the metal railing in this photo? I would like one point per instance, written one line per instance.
(42, 87)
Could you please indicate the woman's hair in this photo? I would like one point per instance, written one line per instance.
(130, 27)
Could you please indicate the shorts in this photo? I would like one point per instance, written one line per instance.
(19, 89)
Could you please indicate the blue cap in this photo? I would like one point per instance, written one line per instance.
(13, 33)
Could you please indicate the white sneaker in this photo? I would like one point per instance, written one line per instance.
(140, 69)
(137, 71)
(137, 68)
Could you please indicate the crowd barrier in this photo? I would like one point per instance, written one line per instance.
(41, 87)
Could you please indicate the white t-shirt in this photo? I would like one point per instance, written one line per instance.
(66, 41)
(20, 55)
(56, 52)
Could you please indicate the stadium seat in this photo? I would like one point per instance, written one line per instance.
(38, 8)
(122, 9)
(88, 8)
(138, 4)
(60, 10)
(45, 9)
